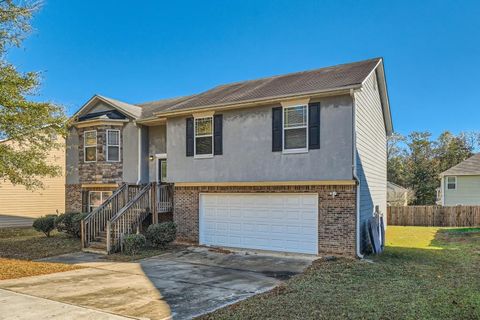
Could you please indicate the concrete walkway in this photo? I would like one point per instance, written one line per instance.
(20, 306)
(181, 284)
(7, 221)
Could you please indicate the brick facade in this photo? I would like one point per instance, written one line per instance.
(100, 171)
(73, 198)
(336, 221)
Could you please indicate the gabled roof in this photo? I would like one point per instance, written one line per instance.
(339, 79)
(319, 80)
(394, 186)
(130, 110)
(469, 167)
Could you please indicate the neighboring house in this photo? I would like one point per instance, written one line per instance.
(460, 185)
(397, 196)
(292, 163)
(16, 200)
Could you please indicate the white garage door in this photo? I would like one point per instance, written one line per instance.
(279, 222)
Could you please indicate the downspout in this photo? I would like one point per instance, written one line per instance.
(355, 177)
(139, 167)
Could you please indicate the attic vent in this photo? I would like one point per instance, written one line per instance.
(375, 83)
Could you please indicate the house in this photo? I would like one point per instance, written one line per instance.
(397, 196)
(292, 163)
(17, 201)
(460, 185)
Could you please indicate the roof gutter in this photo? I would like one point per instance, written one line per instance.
(253, 103)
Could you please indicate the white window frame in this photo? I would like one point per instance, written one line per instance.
(298, 150)
(455, 178)
(101, 198)
(201, 156)
(119, 144)
(159, 156)
(89, 146)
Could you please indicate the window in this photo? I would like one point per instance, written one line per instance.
(203, 137)
(295, 129)
(90, 146)
(96, 198)
(162, 170)
(113, 145)
(451, 183)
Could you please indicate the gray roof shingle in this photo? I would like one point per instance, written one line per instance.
(471, 166)
(324, 79)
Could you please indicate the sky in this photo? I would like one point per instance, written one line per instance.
(150, 50)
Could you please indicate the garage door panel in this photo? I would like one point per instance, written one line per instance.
(282, 222)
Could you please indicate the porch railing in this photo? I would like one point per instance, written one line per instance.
(162, 198)
(96, 221)
(129, 218)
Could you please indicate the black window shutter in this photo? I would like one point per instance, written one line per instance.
(277, 129)
(218, 134)
(314, 125)
(190, 137)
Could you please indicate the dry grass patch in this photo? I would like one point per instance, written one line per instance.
(28, 244)
(13, 268)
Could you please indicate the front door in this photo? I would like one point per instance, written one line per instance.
(162, 171)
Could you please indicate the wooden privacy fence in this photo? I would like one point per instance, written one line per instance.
(434, 216)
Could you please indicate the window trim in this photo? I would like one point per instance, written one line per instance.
(298, 150)
(202, 156)
(89, 146)
(89, 206)
(108, 145)
(454, 177)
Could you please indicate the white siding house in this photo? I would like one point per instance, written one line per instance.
(460, 185)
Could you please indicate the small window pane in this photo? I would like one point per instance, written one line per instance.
(451, 183)
(105, 195)
(296, 116)
(203, 145)
(91, 154)
(203, 126)
(90, 138)
(95, 198)
(113, 138)
(163, 164)
(296, 138)
(113, 154)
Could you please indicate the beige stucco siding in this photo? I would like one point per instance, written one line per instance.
(466, 193)
(18, 201)
(371, 154)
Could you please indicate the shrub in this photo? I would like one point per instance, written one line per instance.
(161, 234)
(133, 243)
(70, 223)
(45, 224)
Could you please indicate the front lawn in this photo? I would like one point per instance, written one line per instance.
(26, 243)
(424, 273)
(18, 246)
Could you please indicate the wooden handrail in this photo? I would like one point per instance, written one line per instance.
(96, 221)
(128, 219)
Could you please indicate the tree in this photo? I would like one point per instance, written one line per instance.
(450, 150)
(396, 154)
(28, 126)
(421, 173)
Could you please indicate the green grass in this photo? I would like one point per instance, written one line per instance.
(424, 273)
(28, 244)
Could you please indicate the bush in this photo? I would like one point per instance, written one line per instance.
(133, 243)
(161, 234)
(45, 224)
(70, 223)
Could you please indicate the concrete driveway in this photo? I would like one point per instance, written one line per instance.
(9, 221)
(181, 284)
